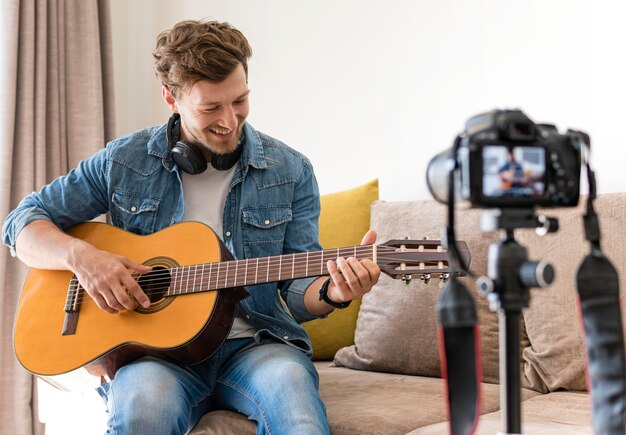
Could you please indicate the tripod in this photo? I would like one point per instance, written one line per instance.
(507, 287)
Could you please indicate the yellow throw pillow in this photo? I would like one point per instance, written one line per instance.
(344, 220)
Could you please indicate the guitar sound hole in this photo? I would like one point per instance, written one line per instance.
(155, 283)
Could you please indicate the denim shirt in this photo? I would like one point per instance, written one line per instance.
(272, 208)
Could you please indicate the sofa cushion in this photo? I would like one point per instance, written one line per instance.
(554, 413)
(397, 325)
(344, 220)
(557, 357)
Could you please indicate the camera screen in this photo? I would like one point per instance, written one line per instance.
(517, 172)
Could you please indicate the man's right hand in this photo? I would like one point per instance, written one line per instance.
(107, 278)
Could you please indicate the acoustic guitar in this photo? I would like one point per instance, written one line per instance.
(194, 287)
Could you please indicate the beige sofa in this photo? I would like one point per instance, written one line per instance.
(388, 381)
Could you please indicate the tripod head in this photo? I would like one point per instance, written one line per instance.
(510, 273)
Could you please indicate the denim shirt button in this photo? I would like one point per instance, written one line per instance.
(267, 222)
(133, 209)
(286, 337)
(227, 234)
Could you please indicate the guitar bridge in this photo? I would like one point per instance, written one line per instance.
(72, 306)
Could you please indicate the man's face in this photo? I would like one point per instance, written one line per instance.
(212, 114)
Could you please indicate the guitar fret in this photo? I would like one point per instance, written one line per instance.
(179, 279)
(280, 267)
(187, 279)
(307, 264)
(236, 269)
(226, 275)
(245, 276)
(209, 287)
(201, 278)
(267, 264)
(293, 265)
(173, 284)
(188, 282)
(217, 276)
(212, 277)
(195, 277)
(256, 273)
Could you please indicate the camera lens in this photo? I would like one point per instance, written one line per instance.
(438, 175)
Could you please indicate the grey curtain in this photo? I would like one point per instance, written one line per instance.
(56, 108)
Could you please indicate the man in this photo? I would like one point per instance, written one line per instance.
(512, 172)
(259, 195)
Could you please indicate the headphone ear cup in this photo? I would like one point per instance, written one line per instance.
(189, 157)
(223, 162)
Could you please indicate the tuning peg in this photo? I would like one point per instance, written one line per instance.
(425, 280)
(406, 279)
(443, 279)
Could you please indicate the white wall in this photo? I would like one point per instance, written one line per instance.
(374, 89)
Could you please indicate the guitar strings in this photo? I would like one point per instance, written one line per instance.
(160, 275)
(194, 269)
(200, 285)
(164, 275)
(299, 259)
(197, 285)
(264, 264)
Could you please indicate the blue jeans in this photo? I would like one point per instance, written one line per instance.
(272, 383)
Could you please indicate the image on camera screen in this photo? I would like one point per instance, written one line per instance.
(513, 172)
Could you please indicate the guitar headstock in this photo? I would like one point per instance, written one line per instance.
(424, 259)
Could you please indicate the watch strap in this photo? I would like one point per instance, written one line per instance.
(324, 296)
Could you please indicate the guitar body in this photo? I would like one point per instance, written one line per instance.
(184, 329)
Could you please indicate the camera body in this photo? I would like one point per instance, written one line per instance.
(503, 159)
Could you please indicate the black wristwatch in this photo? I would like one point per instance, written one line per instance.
(324, 296)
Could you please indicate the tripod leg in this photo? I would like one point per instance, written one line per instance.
(510, 384)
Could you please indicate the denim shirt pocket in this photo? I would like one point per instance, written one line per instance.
(134, 212)
(264, 230)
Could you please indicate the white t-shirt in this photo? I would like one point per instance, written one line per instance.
(205, 196)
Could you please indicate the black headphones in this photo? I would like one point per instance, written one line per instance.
(189, 157)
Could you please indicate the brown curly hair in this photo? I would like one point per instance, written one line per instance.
(199, 50)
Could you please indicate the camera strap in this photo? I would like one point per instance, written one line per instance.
(459, 337)
(460, 356)
(599, 301)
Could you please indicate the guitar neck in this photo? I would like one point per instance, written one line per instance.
(240, 273)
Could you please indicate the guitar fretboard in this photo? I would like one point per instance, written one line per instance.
(238, 273)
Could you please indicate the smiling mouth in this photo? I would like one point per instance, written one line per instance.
(220, 131)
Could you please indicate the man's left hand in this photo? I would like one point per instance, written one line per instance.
(351, 277)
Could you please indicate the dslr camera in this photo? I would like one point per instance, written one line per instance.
(503, 159)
